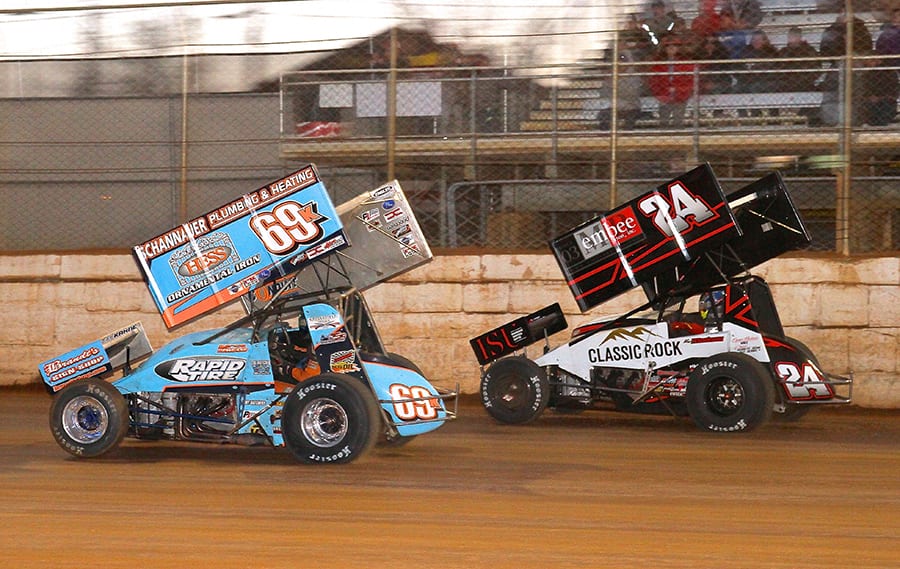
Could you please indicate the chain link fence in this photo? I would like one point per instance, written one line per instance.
(493, 154)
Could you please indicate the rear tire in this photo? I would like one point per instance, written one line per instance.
(730, 393)
(330, 418)
(515, 390)
(89, 418)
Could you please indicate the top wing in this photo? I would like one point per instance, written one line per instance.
(387, 241)
(647, 236)
(770, 225)
(223, 254)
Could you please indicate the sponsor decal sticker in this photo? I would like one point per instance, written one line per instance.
(75, 364)
(709, 340)
(210, 252)
(608, 232)
(382, 192)
(324, 321)
(343, 361)
(319, 249)
(201, 368)
(394, 214)
(335, 337)
(369, 215)
(628, 334)
(414, 403)
(401, 231)
(288, 226)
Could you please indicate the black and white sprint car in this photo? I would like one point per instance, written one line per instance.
(708, 342)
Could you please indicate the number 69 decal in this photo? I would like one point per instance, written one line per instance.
(413, 403)
(287, 226)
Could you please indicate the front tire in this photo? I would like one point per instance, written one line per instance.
(330, 418)
(89, 418)
(515, 390)
(403, 361)
(730, 393)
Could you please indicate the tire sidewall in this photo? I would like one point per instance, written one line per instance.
(355, 400)
(103, 394)
(757, 387)
(530, 376)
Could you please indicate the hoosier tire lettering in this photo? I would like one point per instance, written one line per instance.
(730, 392)
(89, 418)
(330, 418)
(515, 390)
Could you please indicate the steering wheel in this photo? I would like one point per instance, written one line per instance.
(281, 351)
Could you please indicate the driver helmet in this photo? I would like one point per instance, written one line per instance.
(709, 303)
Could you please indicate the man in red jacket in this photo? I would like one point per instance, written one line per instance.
(672, 82)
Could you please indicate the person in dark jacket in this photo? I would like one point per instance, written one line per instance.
(888, 42)
(747, 13)
(794, 78)
(834, 44)
(761, 80)
(834, 38)
(878, 89)
(714, 77)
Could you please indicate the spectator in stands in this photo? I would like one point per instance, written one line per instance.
(733, 38)
(833, 44)
(637, 38)
(747, 13)
(759, 79)
(708, 22)
(878, 91)
(672, 82)
(834, 37)
(740, 17)
(629, 91)
(714, 77)
(793, 78)
(660, 23)
(888, 42)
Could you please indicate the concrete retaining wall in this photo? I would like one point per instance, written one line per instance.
(846, 310)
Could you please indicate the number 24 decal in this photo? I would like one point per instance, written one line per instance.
(803, 382)
(288, 226)
(412, 403)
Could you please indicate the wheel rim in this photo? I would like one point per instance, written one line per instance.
(725, 396)
(84, 419)
(324, 422)
(512, 393)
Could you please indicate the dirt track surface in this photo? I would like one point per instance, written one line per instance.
(597, 489)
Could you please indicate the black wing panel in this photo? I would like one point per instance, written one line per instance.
(653, 234)
(770, 225)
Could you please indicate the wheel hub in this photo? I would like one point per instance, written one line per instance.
(324, 422)
(726, 396)
(512, 393)
(84, 419)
